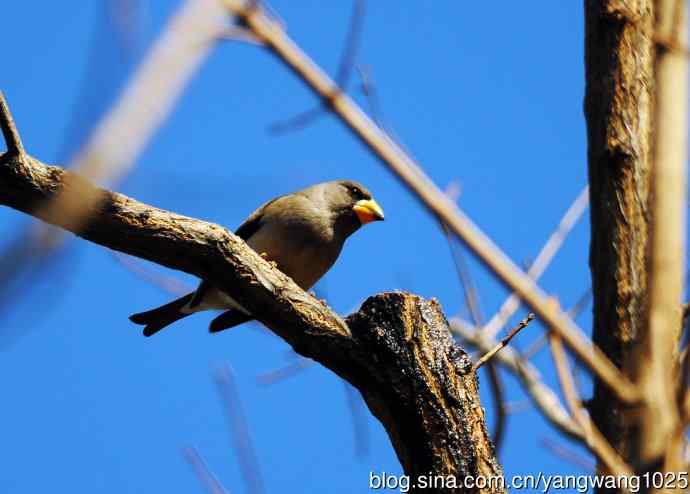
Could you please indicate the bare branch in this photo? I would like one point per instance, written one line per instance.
(523, 324)
(433, 198)
(9, 129)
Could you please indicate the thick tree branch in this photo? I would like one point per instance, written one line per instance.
(397, 350)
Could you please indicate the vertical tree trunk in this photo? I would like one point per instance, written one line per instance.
(619, 62)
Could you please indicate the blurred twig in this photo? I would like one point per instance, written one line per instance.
(360, 431)
(568, 455)
(121, 135)
(298, 364)
(241, 438)
(537, 268)
(345, 67)
(594, 439)
(203, 472)
(167, 283)
(573, 312)
(434, 199)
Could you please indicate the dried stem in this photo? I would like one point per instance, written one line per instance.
(9, 129)
(522, 325)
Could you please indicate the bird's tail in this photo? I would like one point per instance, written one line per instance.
(156, 319)
(228, 319)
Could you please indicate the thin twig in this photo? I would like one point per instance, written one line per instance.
(581, 303)
(203, 472)
(568, 455)
(522, 325)
(241, 438)
(573, 312)
(360, 430)
(411, 174)
(544, 258)
(354, 34)
(594, 440)
(369, 91)
(305, 118)
(166, 283)
(545, 399)
(9, 128)
(515, 407)
(299, 364)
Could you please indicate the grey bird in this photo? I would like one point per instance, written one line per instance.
(303, 233)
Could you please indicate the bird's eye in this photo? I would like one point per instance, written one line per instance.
(355, 191)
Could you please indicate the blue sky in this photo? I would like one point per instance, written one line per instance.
(488, 97)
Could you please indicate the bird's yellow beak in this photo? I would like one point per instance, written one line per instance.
(368, 210)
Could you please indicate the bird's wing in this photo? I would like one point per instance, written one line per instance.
(252, 224)
(245, 231)
(200, 293)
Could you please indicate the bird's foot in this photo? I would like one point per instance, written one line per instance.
(264, 255)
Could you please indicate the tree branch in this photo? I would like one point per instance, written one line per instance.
(9, 129)
(397, 349)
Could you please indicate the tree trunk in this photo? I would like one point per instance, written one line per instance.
(619, 62)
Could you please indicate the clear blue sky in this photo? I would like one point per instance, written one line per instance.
(489, 96)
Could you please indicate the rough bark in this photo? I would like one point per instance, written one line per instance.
(619, 60)
(397, 349)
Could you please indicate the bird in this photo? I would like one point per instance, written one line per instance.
(302, 233)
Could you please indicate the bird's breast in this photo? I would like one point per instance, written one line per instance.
(304, 254)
